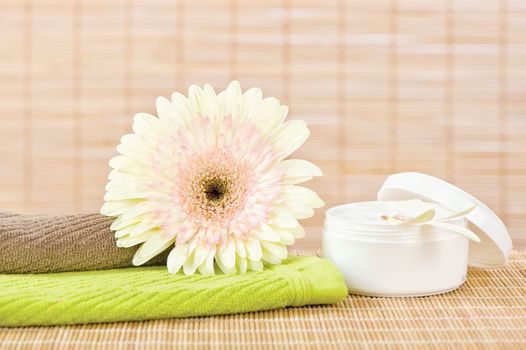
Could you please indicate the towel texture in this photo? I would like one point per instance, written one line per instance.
(151, 292)
(44, 243)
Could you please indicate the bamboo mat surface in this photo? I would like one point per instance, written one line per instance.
(488, 311)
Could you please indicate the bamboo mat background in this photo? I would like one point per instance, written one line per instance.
(487, 312)
(386, 85)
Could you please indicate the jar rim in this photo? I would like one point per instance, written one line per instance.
(430, 233)
(340, 213)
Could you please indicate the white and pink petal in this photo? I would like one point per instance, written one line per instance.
(154, 245)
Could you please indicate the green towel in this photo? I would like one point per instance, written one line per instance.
(143, 293)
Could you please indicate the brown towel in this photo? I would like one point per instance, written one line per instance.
(40, 243)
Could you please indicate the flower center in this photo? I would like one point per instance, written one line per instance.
(215, 189)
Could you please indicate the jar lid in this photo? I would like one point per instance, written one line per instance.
(495, 245)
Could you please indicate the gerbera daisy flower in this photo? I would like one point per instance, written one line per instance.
(208, 179)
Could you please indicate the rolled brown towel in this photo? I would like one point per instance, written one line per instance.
(44, 243)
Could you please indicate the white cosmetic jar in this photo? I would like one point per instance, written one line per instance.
(381, 258)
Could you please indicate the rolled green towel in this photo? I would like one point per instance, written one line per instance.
(56, 243)
(144, 293)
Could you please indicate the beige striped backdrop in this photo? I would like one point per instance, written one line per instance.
(393, 85)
